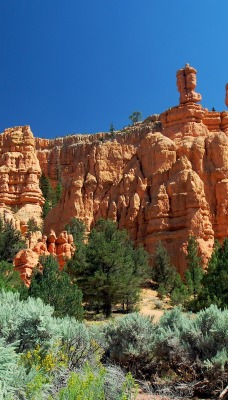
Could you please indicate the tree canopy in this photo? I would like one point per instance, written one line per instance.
(112, 269)
(54, 287)
(135, 116)
(10, 241)
(194, 272)
(165, 275)
(215, 281)
(51, 195)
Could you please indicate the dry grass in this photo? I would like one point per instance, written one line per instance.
(148, 304)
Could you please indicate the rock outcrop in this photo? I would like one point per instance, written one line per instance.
(186, 83)
(20, 195)
(61, 247)
(163, 179)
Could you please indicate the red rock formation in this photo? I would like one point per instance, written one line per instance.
(24, 263)
(20, 195)
(62, 247)
(186, 83)
(163, 179)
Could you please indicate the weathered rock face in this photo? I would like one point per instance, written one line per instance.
(163, 179)
(20, 195)
(186, 83)
(61, 247)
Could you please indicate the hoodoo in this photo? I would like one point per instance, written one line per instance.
(162, 179)
(20, 194)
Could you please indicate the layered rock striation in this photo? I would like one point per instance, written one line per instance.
(20, 195)
(163, 179)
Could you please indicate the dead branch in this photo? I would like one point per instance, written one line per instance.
(223, 393)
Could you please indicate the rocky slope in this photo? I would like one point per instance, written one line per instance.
(163, 179)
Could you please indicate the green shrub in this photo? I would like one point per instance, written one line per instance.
(54, 287)
(11, 374)
(184, 340)
(27, 323)
(79, 344)
(130, 341)
(98, 384)
(158, 304)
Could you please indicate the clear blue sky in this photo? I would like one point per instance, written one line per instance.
(76, 66)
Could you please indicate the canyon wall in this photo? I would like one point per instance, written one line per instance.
(162, 179)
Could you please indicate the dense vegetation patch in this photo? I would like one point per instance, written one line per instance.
(198, 288)
(61, 358)
(108, 269)
(43, 357)
(46, 352)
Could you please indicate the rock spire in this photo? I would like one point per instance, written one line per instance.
(186, 83)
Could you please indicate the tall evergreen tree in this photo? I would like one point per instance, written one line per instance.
(48, 194)
(112, 269)
(77, 263)
(168, 279)
(10, 279)
(77, 228)
(54, 287)
(215, 281)
(10, 242)
(194, 272)
(58, 191)
(52, 196)
(162, 269)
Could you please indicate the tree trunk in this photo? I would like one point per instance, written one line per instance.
(107, 308)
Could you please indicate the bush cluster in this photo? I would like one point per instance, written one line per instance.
(44, 357)
(108, 269)
(184, 349)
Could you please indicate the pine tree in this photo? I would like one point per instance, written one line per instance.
(165, 275)
(194, 272)
(32, 226)
(112, 269)
(215, 281)
(58, 191)
(135, 116)
(111, 129)
(77, 228)
(10, 279)
(162, 268)
(54, 287)
(10, 242)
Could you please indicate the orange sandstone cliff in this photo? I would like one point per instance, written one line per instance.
(163, 179)
(20, 195)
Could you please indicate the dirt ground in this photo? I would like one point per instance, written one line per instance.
(148, 305)
(151, 305)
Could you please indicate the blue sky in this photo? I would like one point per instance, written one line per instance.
(70, 66)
